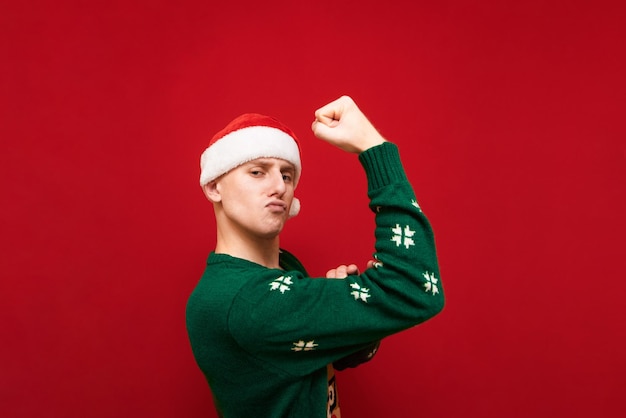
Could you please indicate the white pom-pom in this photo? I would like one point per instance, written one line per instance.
(295, 207)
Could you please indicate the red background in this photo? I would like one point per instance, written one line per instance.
(510, 121)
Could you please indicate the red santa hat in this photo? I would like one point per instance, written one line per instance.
(246, 138)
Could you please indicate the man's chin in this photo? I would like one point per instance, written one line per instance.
(274, 230)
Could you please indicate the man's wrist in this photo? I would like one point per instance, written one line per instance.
(372, 143)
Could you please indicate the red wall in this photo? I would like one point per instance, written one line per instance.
(510, 120)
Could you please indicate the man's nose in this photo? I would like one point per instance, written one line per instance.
(278, 183)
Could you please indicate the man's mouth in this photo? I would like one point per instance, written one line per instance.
(277, 206)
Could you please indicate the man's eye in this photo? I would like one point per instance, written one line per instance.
(286, 177)
(256, 172)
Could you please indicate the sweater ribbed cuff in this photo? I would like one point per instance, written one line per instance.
(382, 165)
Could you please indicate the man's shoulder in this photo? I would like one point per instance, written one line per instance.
(234, 271)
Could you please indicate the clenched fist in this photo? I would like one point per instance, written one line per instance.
(341, 123)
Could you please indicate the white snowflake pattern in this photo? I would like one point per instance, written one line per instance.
(403, 236)
(377, 263)
(282, 284)
(431, 283)
(359, 292)
(304, 346)
(414, 203)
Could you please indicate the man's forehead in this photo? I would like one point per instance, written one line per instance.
(269, 161)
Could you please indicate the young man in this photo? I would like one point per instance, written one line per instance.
(263, 332)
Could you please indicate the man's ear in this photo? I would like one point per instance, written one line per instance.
(211, 192)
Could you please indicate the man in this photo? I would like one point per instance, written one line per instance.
(262, 331)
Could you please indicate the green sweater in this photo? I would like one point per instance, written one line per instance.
(263, 337)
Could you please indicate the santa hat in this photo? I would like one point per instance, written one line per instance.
(246, 138)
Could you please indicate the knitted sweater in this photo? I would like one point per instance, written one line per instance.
(263, 337)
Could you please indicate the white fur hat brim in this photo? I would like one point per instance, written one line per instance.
(245, 145)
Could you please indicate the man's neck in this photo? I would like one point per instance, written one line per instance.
(263, 251)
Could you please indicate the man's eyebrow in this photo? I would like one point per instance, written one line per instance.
(265, 162)
(258, 162)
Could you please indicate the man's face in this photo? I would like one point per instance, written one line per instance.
(256, 196)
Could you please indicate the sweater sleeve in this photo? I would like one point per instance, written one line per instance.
(296, 324)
